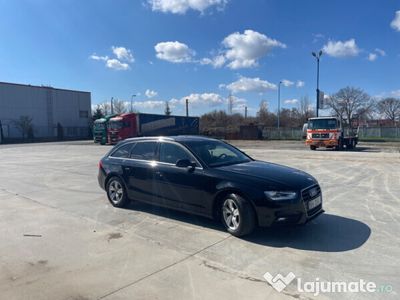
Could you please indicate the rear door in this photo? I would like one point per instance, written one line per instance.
(139, 170)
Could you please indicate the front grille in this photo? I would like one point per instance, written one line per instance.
(320, 135)
(314, 210)
(310, 193)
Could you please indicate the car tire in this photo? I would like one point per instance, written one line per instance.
(116, 192)
(313, 147)
(237, 215)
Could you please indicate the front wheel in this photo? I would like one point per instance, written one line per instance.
(238, 215)
(313, 147)
(116, 192)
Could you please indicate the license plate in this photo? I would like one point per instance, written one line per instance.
(314, 202)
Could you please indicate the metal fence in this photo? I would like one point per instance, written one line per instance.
(272, 133)
(363, 133)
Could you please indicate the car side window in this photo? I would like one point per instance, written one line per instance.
(123, 151)
(171, 153)
(144, 150)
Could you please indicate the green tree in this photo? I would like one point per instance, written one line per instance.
(97, 113)
(167, 110)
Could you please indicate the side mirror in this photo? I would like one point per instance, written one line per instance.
(185, 163)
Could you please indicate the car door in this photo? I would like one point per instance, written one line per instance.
(139, 171)
(181, 188)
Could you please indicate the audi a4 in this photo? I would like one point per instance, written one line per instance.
(211, 178)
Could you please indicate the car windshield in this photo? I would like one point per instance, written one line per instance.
(216, 153)
(116, 124)
(99, 125)
(322, 124)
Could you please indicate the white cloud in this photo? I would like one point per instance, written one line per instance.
(217, 61)
(150, 93)
(121, 61)
(395, 93)
(291, 101)
(244, 50)
(94, 56)
(245, 84)
(123, 54)
(300, 83)
(372, 56)
(287, 83)
(182, 6)
(148, 104)
(341, 49)
(116, 65)
(395, 24)
(380, 52)
(210, 99)
(174, 52)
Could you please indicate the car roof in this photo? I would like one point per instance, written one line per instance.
(177, 138)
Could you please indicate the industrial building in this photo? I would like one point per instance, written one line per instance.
(43, 112)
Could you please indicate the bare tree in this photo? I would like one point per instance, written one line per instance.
(390, 108)
(305, 110)
(24, 125)
(119, 106)
(349, 102)
(105, 108)
(262, 113)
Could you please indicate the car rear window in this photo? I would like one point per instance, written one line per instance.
(144, 150)
(123, 151)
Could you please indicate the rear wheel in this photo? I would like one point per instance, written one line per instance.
(339, 147)
(116, 192)
(238, 215)
(313, 147)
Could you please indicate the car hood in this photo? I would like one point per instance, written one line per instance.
(273, 175)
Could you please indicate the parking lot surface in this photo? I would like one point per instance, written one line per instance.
(61, 239)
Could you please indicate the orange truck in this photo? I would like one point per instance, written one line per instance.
(329, 132)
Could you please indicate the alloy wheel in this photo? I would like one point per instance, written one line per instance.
(231, 214)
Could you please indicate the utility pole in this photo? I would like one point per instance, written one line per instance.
(187, 107)
(245, 112)
(134, 95)
(279, 102)
(230, 104)
(317, 56)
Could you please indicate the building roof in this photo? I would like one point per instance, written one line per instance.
(42, 86)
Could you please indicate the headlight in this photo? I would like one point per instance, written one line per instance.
(280, 195)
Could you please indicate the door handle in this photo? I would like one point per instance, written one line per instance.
(127, 168)
(159, 174)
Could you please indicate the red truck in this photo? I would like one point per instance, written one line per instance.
(137, 124)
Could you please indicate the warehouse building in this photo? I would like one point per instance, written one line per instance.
(43, 113)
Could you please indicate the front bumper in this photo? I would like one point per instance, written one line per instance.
(322, 143)
(290, 213)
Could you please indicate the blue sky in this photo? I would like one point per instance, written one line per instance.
(201, 49)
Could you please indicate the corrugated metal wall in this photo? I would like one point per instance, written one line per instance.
(47, 107)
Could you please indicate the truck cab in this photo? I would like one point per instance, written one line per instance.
(100, 127)
(122, 127)
(328, 132)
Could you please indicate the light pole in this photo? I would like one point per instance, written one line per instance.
(279, 102)
(134, 95)
(112, 105)
(317, 56)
